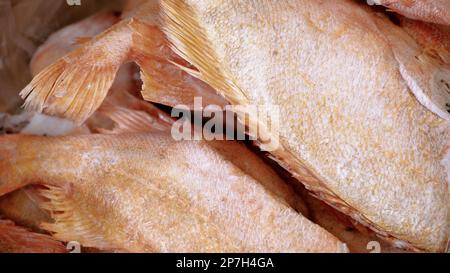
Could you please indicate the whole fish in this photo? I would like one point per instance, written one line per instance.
(147, 192)
(351, 130)
(435, 11)
(15, 239)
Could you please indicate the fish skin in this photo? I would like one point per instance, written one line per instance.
(434, 11)
(358, 238)
(147, 192)
(352, 132)
(15, 239)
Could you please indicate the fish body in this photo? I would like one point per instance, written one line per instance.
(351, 130)
(21, 206)
(147, 192)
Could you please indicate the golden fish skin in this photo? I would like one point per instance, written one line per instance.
(147, 192)
(434, 11)
(15, 239)
(352, 132)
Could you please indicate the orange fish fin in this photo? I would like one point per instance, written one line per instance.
(72, 220)
(190, 42)
(164, 81)
(134, 121)
(75, 85)
(15, 239)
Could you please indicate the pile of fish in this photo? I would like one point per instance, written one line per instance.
(359, 159)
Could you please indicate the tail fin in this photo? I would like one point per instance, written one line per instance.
(75, 85)
(68, 38)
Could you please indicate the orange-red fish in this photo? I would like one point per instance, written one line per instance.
(351, 131)
(147, 192)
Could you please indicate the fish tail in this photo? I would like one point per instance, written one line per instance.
(75, 85)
